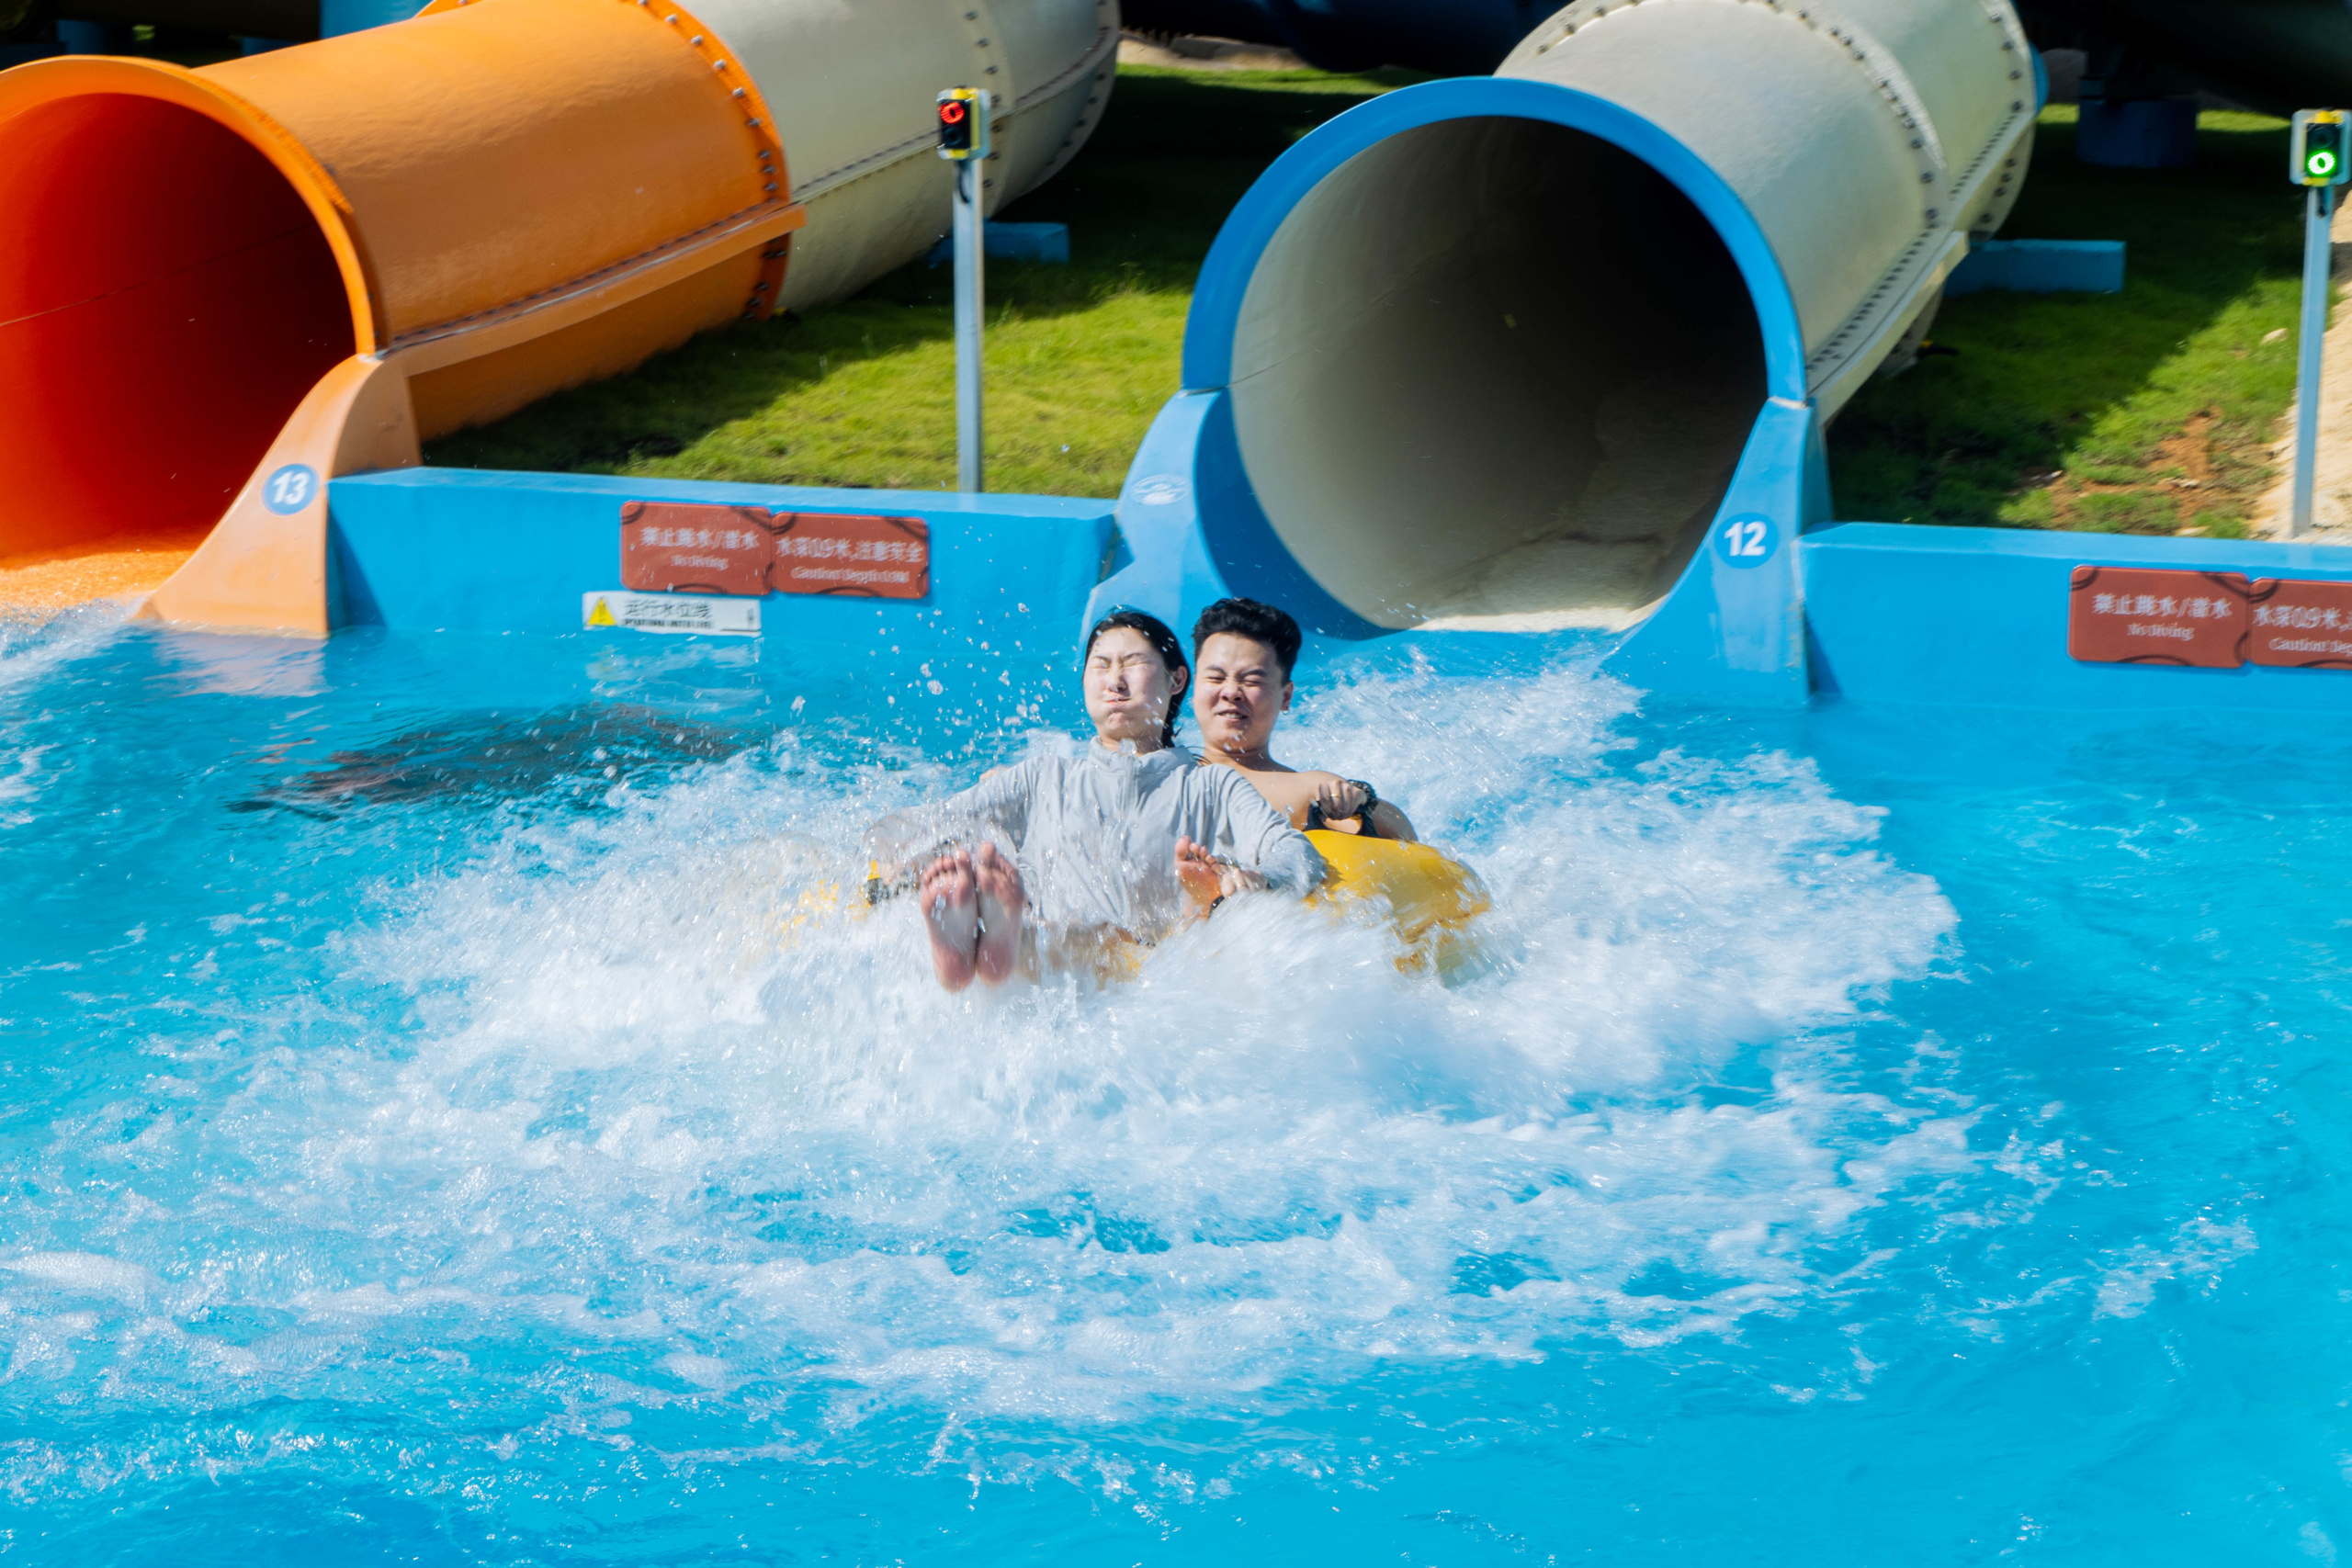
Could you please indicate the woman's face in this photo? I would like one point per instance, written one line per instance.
(1128, 690)
(1240, 692)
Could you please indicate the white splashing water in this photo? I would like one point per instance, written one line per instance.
(638, 1104)
(31, 647)
(29, 651)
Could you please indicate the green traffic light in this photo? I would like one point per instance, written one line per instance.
(2317, 154)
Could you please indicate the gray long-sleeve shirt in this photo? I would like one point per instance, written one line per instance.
(1095, 834)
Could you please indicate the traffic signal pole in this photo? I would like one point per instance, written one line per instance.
(2319, 212)
(964, 143)
(971, 300)
(2319, 161)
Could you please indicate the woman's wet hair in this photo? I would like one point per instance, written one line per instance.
(1259, 623)
(1153, 630)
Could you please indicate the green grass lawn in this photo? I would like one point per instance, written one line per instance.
(2146, 412)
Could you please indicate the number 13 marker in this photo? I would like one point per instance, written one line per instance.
(289, 489)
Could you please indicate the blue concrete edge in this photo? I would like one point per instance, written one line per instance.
(1896, 614)
(1913, 614)
(460, 549)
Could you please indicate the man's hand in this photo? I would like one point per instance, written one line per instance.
(1339, 798)
(1208, 878)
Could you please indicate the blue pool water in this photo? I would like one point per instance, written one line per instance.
(442, 1121)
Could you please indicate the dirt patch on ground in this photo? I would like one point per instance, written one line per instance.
(2203, 478)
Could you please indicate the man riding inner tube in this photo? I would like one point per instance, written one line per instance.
(1246, 652)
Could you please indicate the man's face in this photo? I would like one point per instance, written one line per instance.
(1240, 691)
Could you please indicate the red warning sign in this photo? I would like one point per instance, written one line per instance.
(2301, 625)
(862, 558)
(672, 547)
(2128, 615)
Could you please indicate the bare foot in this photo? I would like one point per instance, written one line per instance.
(1003, 899)
(951, 914)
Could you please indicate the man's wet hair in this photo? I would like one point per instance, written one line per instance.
(1259, 623)
(1153, 630)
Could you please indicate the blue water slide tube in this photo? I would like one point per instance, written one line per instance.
(1517, 352)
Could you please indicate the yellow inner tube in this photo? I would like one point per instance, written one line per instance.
(1431, 900)
(1428, 899)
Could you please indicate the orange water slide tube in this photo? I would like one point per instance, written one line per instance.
(299, 263)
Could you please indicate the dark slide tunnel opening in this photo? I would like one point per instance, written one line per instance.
(1495, 371)
(170, 303)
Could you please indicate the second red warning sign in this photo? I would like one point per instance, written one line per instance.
(855, 557)
(2301, 625)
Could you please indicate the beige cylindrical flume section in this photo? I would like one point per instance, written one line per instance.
(494, 200)
(853, 85)
(1495, 369)
(1868, 137)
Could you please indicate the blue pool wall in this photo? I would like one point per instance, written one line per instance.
(1977, 617)
(462, 550)
(1865, 611)
(2040, 266)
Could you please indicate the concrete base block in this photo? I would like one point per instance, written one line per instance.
(339, 16)
(1047, 242)
(2137, 134)
(2041, 266)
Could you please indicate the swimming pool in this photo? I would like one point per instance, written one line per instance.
(446, 1122)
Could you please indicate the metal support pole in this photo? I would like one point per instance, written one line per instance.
(971, 298)
(2319, 210)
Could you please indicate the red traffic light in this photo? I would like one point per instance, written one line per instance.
(963, 123)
